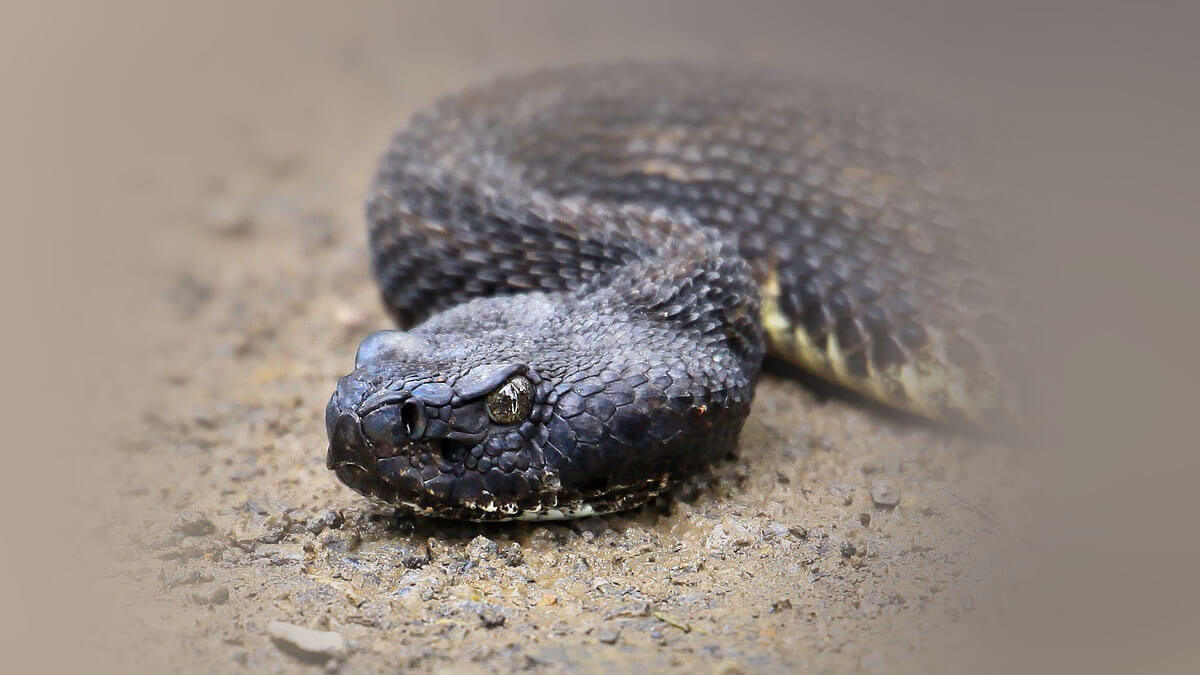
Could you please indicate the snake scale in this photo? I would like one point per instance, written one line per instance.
(590, 264)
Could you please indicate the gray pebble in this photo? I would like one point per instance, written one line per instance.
(229, 218)
(491, 617)
(188, 295)
(774, 530)
(729, 534)
(552, 537)
(885, 494)
(416, 557)
(481, 548)
(185, 578)
(327, 520)
(245, 474)
(591, 526)
(513, 554)
(823, 443)
(843, 493)
(217, 595)
(193, 524)
(608, 634)
(341, 540)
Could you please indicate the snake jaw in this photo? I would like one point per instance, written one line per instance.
(415, 443)
(403, 436)
(612, 397)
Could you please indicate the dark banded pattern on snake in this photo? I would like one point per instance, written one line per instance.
(624, 243)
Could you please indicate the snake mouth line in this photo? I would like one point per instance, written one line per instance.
(549, 506)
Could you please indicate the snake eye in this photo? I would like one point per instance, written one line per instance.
(512, 402)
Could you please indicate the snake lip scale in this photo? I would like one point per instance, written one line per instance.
(589, 264)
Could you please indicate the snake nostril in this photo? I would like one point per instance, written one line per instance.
(412, 417)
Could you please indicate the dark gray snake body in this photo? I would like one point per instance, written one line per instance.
(595, 261)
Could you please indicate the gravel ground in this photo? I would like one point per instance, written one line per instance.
(840, 538)
(186, 278)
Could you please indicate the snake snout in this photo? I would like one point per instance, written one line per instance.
(347, 446)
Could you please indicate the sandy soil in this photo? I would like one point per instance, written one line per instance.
(839, 539)
(185, 279)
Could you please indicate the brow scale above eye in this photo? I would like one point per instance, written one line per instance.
(485, 379)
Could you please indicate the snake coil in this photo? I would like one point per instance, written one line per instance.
(591, 263)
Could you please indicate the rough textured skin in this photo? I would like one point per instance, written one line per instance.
(632, 239)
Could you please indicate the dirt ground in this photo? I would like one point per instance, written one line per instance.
(839, 539)
(185, 279)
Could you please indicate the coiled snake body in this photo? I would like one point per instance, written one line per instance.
(593, 262)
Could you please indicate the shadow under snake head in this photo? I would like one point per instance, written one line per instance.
(503, 409)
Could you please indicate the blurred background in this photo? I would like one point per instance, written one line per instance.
(126, 125)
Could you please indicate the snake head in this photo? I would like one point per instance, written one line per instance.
(537, 406)
(418, 427)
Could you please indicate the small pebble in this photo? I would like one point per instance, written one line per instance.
(822, 442)
(774, 530)
(593, 526)
(218, 595)
(306, 642)
(608, 634)
(729, 534)
(491, 617)
(350, 317)
(326, 520)
(481, 548)
(194, 524)
(229, 218)
(245, 474)
(885, 494)
(843, 494)
(416, 557)
(188, 295)
(728, 668)
(513, 554)
(189, 577)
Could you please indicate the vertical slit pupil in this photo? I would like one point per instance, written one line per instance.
(412, 419)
